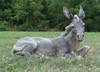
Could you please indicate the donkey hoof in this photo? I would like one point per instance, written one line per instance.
(86, 46)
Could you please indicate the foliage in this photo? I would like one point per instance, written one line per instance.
(46, 15)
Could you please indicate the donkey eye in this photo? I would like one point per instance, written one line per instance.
(72, 26)
(83, 25)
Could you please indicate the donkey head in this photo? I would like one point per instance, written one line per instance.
(77, 24)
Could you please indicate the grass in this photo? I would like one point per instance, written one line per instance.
(9, 63)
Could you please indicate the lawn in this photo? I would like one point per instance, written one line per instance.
(9, 63)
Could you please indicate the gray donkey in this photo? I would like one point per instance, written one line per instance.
(65, 45)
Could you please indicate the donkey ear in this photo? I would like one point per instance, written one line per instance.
(67, 13)
(81, 13)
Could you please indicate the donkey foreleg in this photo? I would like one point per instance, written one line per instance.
(82, 51)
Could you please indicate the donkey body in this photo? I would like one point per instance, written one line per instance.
(42, 46)
(65, 45)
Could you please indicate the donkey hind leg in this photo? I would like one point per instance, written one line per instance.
(82, 51)
(28, 50)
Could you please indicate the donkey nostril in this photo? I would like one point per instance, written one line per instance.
(78, 36)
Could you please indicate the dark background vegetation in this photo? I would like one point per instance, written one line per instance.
(46, 15)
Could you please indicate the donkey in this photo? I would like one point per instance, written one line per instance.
(66, 45)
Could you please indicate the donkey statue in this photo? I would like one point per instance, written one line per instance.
(65, 45)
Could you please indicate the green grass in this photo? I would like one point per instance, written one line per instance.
(9, 63)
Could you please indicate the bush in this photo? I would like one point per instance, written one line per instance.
(2, 28)
(46, 15)
(2, 25)
(43, 26)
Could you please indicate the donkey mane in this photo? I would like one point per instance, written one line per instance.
(67, 30)
(76, 17)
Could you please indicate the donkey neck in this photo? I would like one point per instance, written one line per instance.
(75, 44)
(69, 36)
(72, 41)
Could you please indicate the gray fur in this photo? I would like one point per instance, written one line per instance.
(65, 45)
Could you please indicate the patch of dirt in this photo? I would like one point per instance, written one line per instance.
(17, 37)
(91, 50)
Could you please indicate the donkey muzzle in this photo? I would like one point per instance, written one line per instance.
(80, 37)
